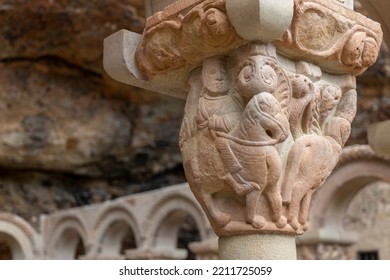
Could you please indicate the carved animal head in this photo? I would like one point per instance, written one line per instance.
(360, 51)
(256, 75)
(263, 119)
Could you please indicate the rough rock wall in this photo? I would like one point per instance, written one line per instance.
(70, 135)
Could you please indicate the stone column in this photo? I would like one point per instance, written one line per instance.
(379, 137)
(271, 94)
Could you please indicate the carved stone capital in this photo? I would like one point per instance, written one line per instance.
(269, 107)
(258, 138)
(336, 38)
(183, 34)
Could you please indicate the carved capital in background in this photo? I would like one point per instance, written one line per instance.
(269, 107)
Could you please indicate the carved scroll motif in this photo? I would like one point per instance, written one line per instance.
(185, 33)
(323, 32)
(335, 37)
(258, 140)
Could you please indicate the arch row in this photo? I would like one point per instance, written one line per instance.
(140, 226)
(358, 167)
(22, 239)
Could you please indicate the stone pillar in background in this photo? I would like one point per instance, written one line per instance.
(271, 94)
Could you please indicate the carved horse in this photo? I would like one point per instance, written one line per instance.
(251, 159)
(310, 161)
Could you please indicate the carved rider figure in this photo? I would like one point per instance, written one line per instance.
(219, 107)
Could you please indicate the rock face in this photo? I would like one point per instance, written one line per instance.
(69, 29)
(64, 121)
(54, 120)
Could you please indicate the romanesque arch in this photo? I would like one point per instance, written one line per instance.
(19, 236)
(66, 237)
(113, 225)
(164, 220)
(358, 167)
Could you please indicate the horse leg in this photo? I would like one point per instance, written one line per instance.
(275, 201)
(304, 212)
(252, 200)
(221, 218)
(272, 191)
(293, 209)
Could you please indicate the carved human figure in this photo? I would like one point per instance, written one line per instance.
(219, 107)
(251, 158)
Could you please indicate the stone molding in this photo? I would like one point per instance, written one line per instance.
(177, 39)
(180, 36)
(337, 39)
(24, 241)
(360, 152)
(121, 47)
(153, 218)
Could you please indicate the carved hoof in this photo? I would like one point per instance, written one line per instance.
(294, 224)
(223, 219)
(281, 222)
(305, 226)
(258, 222)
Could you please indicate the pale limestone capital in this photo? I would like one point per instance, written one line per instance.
(260, 20)
(269, 107)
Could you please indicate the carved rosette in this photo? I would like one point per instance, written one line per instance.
(264, 123)
(337, 38)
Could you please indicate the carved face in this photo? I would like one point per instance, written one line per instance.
(331, 95)
(360, 51)
(214, 76)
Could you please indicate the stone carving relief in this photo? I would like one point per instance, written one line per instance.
(183, 34)
(258, 140)
(336, 37)
(265, 117)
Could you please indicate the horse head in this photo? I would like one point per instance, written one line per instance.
(263, 120)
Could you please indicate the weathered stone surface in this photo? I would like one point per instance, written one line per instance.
(55, 120)
(70, 29)
(87, 137)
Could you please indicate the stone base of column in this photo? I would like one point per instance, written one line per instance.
(258, 247)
